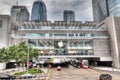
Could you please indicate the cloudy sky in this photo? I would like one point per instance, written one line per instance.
(55, 8)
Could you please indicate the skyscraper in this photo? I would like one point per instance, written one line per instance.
(100, 10)
(69, 15)
(114, 7)
(19, 13)
(104, 8)
(39, 11)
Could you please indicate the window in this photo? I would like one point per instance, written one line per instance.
(50, 34)
(60, 34)
(82, 34)
(41, 34)
(76, 34)
(0, 23)
(71, 34)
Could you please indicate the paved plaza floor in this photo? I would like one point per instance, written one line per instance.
(73, 73)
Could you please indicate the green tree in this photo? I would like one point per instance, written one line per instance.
(18, 52)
(4, 55)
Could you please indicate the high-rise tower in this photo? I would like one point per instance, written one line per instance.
(39, 11)
(19, 13)
(69, 15)
(100, 10)
(104, 8)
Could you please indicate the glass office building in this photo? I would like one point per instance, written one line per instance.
(114, 7)
(100, 10)
(104, 8)
(39, 11)
(20, 13)
(69, 15)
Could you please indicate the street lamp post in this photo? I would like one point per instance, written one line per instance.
(28, 57)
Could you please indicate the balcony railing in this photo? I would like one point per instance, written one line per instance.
(63, 29)
(69, 56)
(58, 37)
(39, 47)
(90, 47)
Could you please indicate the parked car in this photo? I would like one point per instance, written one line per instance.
(25, 76)
(59, 68)
(105, 77)
(7, 77)
(85, 64)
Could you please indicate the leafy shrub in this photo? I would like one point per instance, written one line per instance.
(20, 73)
(31, 71)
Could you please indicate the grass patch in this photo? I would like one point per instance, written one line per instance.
(31, 71)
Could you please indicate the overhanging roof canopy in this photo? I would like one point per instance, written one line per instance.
(59, 23)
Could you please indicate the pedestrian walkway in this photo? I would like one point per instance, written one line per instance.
(108, 69)
(13, 70)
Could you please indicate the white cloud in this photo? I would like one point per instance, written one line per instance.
(55, 8)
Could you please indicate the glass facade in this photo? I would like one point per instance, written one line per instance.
(48, 42)
(100, 10)
(70, 47)
(78, 38)
(69, 15)
(39, 11)
(20, 13)
(62, 35)
(114, 7)
(104, 8)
